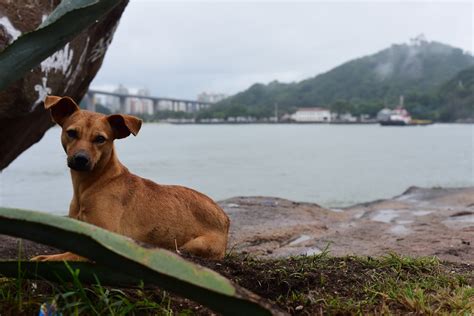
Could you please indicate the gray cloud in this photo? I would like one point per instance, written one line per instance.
(179, 49)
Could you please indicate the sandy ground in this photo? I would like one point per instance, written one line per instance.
(420, 222)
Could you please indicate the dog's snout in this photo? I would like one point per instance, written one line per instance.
(80, 161)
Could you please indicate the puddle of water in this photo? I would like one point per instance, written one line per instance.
(299, 240)
(399, 230)
(358, 215)
(421, 213)
(233, 205)
(460, 221)
(385, 216)
(347, 225)
(336, 210)
(313, 251)
(269, 203)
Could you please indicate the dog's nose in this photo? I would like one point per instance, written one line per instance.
(80, 161)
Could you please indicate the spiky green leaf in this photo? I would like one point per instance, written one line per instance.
(118, 254)
(68, 19)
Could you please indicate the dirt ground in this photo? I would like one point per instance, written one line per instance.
(420, 222)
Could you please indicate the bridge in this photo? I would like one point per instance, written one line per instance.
(159, 103)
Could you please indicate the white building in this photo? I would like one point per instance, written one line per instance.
(113, 103)
(343, 117)
(132, 105)
(140, 105)
(311, 115)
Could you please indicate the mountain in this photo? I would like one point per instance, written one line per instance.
(361, 85)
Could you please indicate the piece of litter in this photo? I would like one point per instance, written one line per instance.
(48, 309)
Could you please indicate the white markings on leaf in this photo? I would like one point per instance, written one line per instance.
(61, 60)
(101, 46)
(43, 90)
(79, 66)
(10, 29)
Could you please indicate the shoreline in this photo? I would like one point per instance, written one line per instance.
(419, 222)
(302, 123)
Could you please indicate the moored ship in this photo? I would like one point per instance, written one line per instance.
(396, 117)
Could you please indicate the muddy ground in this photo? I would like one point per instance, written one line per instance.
(420, 222)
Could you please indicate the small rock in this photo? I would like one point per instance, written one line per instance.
(299, 307)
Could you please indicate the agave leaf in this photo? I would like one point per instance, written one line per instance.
(119, 254)
(68, 19)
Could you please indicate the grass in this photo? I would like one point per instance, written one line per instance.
(303, 285)
(24, 297)
(358, 285)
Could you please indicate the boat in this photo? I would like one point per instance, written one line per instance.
(396, 117)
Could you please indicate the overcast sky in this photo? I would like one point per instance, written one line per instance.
(179, 49)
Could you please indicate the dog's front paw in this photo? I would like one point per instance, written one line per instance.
(59, 257)
(39, 258)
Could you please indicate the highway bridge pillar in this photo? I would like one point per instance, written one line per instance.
(123, 104)
(156, 106)
(89, 100)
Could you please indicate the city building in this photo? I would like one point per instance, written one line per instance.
(308, 115)
(343, 117)
(132, 105)
(211, 97)
(113, 103)
(141, 105)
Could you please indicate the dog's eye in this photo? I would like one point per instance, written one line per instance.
(99, 139)
(72, 133)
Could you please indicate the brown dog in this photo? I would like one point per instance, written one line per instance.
(106, 194)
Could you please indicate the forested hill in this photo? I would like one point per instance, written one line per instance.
(364, 84)
(456, 97)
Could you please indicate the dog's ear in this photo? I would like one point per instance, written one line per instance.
(124, 125)
(61, 108)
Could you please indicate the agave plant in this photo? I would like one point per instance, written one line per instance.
(120, 261)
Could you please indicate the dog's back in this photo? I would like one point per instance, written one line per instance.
(170, 216)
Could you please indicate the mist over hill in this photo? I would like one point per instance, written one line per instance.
(456, 97)
(417, 70)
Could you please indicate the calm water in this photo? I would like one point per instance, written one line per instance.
(333, 165)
